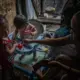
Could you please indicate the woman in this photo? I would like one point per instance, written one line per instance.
(7, 70)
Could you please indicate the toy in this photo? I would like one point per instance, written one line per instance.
(20, 46)
(7, 41)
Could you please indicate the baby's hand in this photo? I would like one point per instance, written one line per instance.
(15, 44)
(32, 33)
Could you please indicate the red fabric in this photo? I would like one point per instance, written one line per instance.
(4, 57)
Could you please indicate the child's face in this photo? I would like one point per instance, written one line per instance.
(21, 29)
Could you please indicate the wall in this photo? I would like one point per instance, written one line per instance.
(8, 7)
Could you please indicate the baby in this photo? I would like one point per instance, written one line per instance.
(23, 30)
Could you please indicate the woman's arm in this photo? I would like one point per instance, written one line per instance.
(53, 41)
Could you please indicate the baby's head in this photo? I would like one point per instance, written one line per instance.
(20, 21)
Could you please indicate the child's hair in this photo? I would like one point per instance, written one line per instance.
(20, 21)
(3, 25)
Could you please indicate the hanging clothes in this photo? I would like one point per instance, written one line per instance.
(30, 10)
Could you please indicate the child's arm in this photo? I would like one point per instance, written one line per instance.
(11, 50)
(34, 30)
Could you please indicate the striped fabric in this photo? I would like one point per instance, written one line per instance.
(11, 58)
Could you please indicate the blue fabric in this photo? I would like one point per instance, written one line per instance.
(43, 68)
(30, 10)
(54, 51)
(23, 70)
(40, 37)
(61, 32)
(10, 35)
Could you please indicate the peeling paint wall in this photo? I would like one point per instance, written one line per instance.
(8, 7)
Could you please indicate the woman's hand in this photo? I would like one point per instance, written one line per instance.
(27, 40)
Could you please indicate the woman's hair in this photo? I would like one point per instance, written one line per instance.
(20, 21)
(3, 25)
